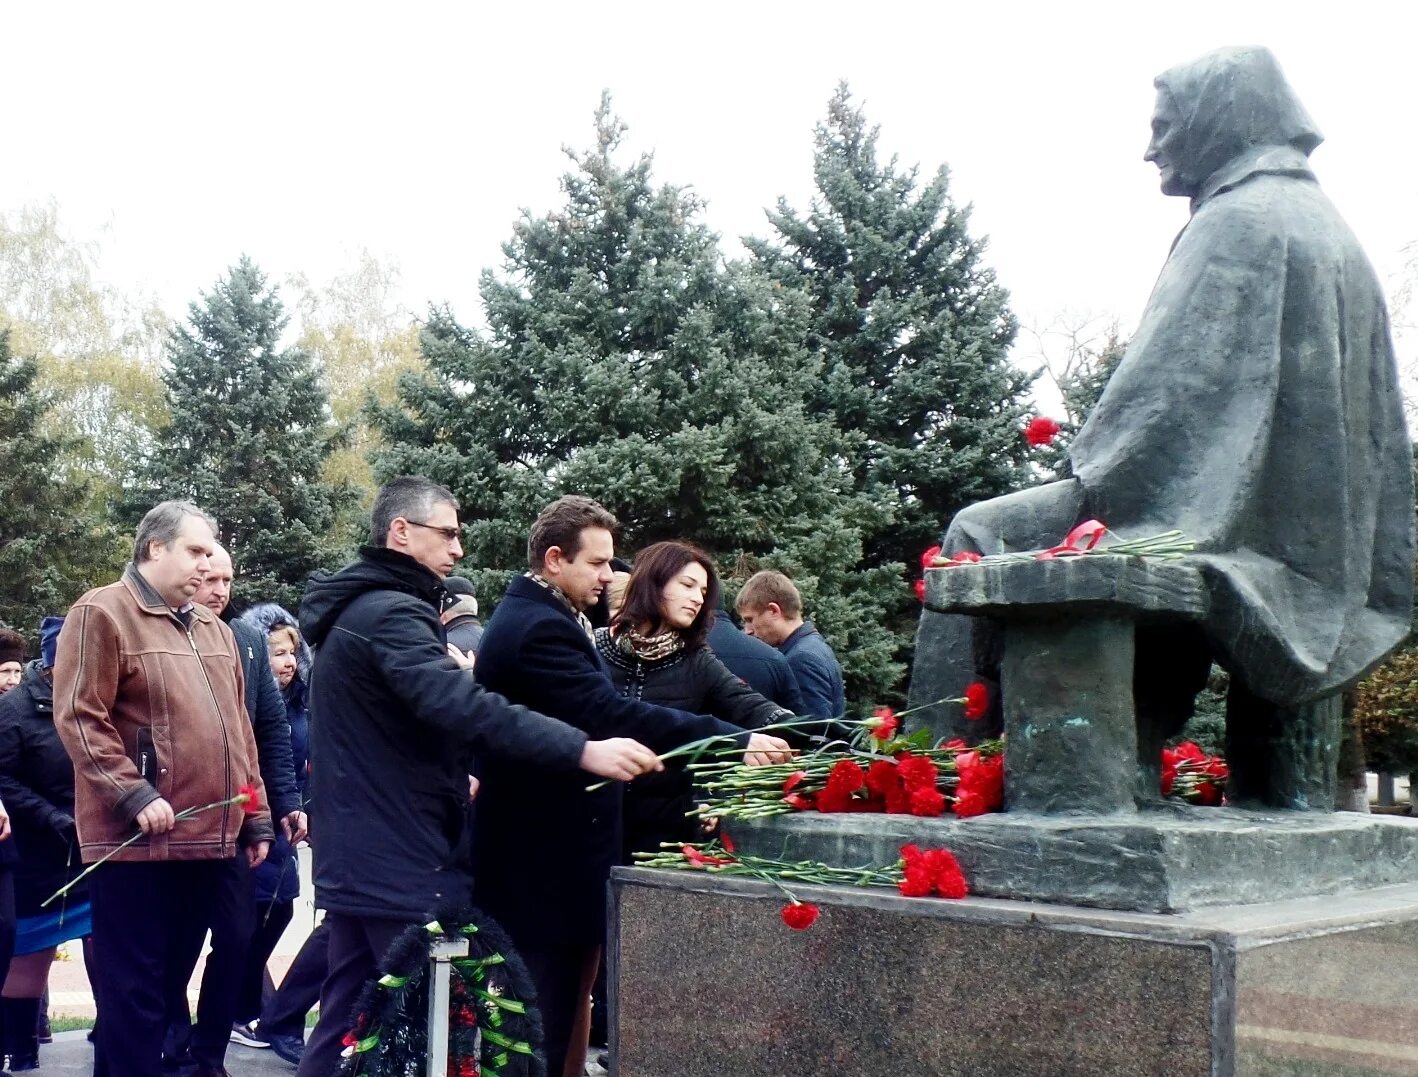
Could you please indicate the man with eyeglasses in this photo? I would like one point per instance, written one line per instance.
(394, 719)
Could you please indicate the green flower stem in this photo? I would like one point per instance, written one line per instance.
(728, 743)
(185, 813)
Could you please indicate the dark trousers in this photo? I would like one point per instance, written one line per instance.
(145, 915)
(560, 975)
(284, 1012)
(271, 920)
(231, 917)
(357, 945)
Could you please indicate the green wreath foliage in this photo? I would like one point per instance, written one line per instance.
(494, 1026)
(1386, 712)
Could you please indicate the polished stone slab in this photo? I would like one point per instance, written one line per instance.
(706, 980)
(1170, 858)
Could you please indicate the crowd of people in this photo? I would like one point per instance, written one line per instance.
(179, 749)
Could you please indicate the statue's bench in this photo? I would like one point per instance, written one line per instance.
(1066, 677)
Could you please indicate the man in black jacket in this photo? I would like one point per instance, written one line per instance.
(544, 845)
(393, 717)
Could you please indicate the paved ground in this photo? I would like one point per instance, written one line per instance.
(70, 1054)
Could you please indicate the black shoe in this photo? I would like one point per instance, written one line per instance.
(43, 1031)
(287, 1048)
(206, 1069)
(21, 1019)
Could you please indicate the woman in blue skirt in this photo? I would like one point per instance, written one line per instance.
(37, 788)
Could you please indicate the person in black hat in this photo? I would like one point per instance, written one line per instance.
(459, 614)
(12, 659)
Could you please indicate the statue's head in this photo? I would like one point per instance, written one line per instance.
(1214, 109)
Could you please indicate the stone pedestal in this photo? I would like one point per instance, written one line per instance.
(707, 981)
(1172, 858)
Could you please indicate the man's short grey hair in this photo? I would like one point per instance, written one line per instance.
(162, 524)
(409, 496)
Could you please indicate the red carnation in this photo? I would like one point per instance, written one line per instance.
(957, 744)
(349, 1040)
(793, 780)
(965, 557)
(846, 775)
(882, 778)
(727, 842)
(834, 799)
(981, 784)
(950, 880)
(247, 798)
(920, 589)
(1169, 773)
(969, 803)
(1208, 793)
(1040, 431)
(927, 802)
(798, 802)
(700, 860)
(884, 723)
(928, 558)
(916, 771)
(799, 915)
(977, 700)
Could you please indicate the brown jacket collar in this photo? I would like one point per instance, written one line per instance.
(152, 602)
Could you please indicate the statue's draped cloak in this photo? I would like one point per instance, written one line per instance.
(1257, 409)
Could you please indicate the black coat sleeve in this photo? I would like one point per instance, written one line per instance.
(272, 733)
(19, 799)
(572, 683)
(729, 698)
(440, 693)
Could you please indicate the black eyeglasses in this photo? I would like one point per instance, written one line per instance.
(450, 534)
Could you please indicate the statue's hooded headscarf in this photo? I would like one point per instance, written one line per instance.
(1257, 407)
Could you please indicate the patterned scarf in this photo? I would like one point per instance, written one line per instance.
(649, 648)
(581, 618)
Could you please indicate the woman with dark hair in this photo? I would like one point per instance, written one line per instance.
(655, 651)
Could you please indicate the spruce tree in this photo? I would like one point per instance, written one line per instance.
(53, 547)
(249, 435)
(914, 331)
(624, 360)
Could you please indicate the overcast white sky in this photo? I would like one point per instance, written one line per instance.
(301, 133)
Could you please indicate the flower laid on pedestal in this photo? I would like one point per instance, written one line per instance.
(1085, 540)
(878, 770)
(1190, 774)
(919, 873)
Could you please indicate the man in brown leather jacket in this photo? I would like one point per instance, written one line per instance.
(148, 700)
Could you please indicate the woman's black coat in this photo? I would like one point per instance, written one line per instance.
(37, 787)
(656, 805)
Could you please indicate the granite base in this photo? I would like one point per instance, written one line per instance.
(1168, 859)
(707, 981)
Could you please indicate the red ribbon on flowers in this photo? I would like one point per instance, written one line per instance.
(1088, 532)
